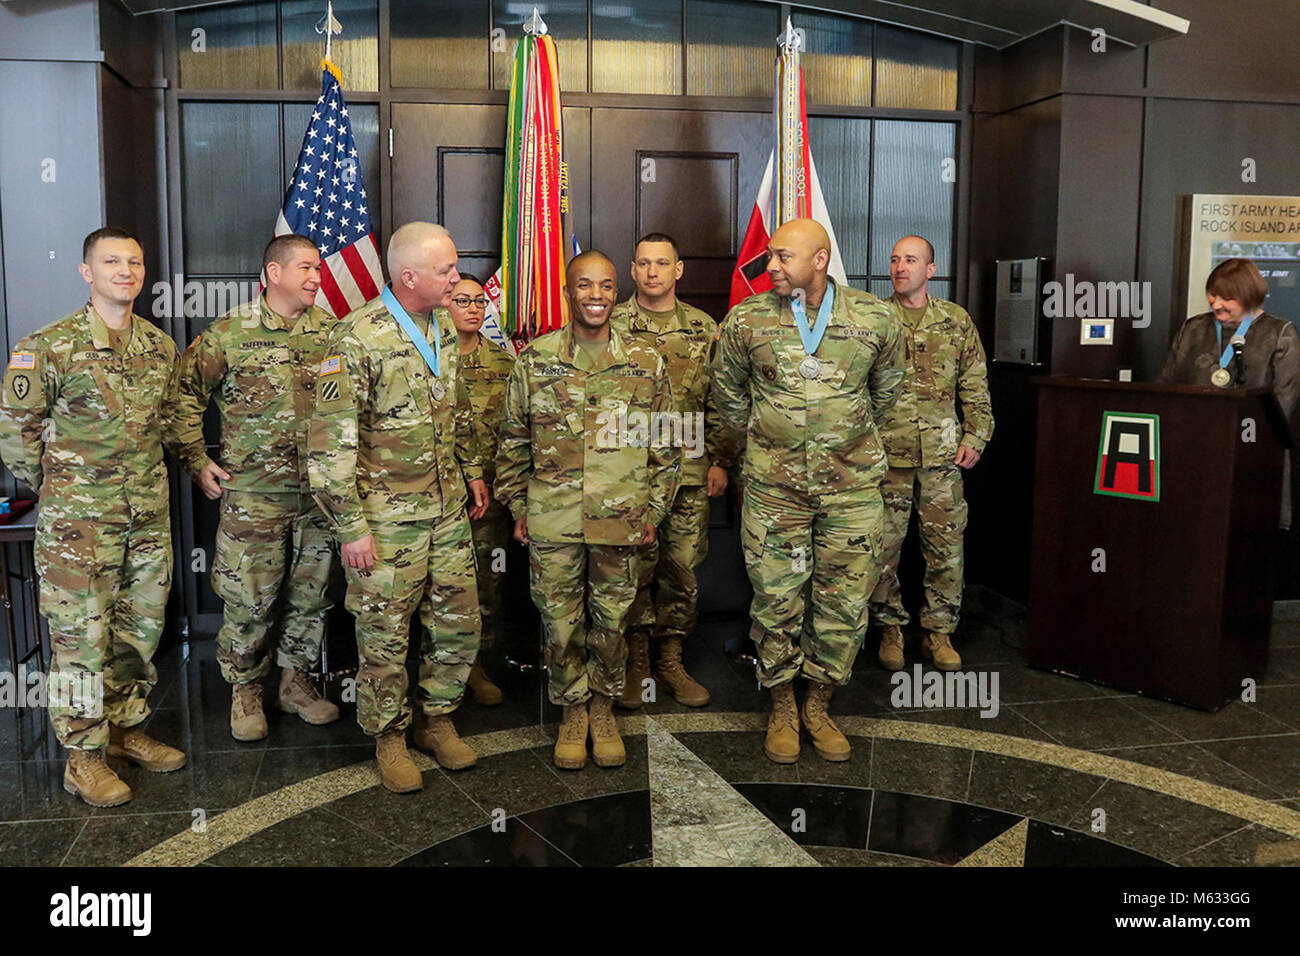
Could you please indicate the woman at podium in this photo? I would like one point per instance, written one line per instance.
(1236, 343)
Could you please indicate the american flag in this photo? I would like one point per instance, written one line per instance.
(327, 203)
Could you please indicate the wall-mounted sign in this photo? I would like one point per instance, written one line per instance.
(1128, 456)
(1264, 229)
(1015, 317)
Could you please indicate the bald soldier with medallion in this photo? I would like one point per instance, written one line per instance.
(806, 371)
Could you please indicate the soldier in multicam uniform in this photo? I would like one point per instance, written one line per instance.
(486, 368)
(928, 446)
(587, 484)
(392, 448)
(667, 594)
(812, 521)
(81, 423)
(274, 553)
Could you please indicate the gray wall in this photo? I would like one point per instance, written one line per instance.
(79, 85)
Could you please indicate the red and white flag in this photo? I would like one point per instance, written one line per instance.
(789, 190)
(326, 202)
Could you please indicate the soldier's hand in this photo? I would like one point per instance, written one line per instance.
(478, 489)
(208, 480)
(967, 457)
(717, 481)
(360, 554)
(649, 536)
(521, 529)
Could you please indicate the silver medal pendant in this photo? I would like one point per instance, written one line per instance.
(810, 367)
(1221, 377)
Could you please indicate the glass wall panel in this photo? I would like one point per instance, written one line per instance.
(910, 195)
(355, 51)
(840, 148)
(440, 44)
(566, 21)
(636, 48)
(915, 71)
(365, 130)
(231, 185)
(837, 60)
(730, 48)
(228, 48)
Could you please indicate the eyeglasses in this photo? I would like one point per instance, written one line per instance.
(464, 301)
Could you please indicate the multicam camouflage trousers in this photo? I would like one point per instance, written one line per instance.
(813, 561)
(424, 566)
(941, 510)
(490, 535)
(667, 595)
(273, 559)
(583, 592)
(104, 593)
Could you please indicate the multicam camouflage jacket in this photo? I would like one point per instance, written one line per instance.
(82, 424)
(264, 374)
(946, 361)
(687, 341)
(487, 375)
(813, 435)
(390, 441)
(583, 447)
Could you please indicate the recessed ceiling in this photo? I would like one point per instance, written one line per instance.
(995, 23)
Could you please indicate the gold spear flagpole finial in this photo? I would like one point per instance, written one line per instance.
(535, 26)
(791, 41)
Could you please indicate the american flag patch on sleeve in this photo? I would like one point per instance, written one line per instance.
(330, 365)
(22, 360)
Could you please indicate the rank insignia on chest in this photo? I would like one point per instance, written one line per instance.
(331, 365)
(769, 372)
(25, 360)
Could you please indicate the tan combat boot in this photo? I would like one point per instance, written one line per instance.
(670, 672)
(638, 669)
(481, 687)
(298, 695)
(941, 651)
(142, 750)
(891, 648)
(437, 736)
(782, 742)
(247, 722)
(89, 777)
(571, 742)
(606, 745)
(397, 771)
(829, 743)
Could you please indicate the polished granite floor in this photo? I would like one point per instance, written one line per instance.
(1067, 774)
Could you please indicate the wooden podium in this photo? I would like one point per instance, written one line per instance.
(1185, 529)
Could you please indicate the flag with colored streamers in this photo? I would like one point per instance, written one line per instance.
(528, 290)
(790, 188)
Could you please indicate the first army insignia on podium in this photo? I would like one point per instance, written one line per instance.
(1128, 456)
